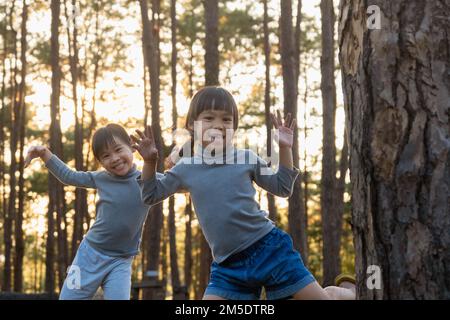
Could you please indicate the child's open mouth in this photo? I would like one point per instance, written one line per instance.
(119, 166)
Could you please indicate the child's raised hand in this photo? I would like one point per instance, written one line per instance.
(286, 130)
(34, 152)
(145, 144)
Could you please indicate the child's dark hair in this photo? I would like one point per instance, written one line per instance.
(211, 98)
(105, 136)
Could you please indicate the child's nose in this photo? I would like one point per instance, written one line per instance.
(218, 124)
(115, 157)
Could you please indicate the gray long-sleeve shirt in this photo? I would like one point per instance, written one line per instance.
(120, 212)
(223, 198)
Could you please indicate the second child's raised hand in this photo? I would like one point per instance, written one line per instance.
(145, 144)
(33, 153)
(286, 130)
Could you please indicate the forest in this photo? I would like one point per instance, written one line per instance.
(367, 81)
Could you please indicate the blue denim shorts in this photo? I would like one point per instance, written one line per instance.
(271, 262)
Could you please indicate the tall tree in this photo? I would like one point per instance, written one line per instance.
(3, 126)
(80, 193)
(267, 102)
(9, 212)
(397, 102)
(188, 247)
(211, 42)
(297, 219)
(56, 191)
(175, 273)
(18, 228)
(151, 57)
(331, 259)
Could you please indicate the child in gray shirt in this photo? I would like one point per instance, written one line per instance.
(249, 251)
(105, 255)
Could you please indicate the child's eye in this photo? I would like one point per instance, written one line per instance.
(208, 118)
(227, 119)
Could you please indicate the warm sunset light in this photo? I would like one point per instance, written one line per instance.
(96, 203)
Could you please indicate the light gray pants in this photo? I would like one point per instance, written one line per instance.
(91, 269)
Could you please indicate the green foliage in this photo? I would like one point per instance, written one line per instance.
(241, 51)
(38, 182)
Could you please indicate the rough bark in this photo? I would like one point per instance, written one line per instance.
(397, 100)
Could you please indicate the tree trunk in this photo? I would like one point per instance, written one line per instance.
(155, 222)
(305, 153)
(80, 193)
(188, 248)
(56, 191)
(93, 122)
(3, 121)
(178, 292)
(297, 37)
(175, 275)
(211, 42)
(397, 100)
(331, 260)
(19, 241)
(13, 128)
(270, 197)
(297, 219)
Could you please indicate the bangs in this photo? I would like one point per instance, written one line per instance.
(215, 99)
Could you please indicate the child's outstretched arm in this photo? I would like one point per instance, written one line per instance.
(280, 183)
(59, 169)
(153, 188)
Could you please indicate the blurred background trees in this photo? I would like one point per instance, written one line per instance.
(70, 66)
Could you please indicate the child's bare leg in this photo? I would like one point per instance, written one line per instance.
(212, 297)
(314, 291)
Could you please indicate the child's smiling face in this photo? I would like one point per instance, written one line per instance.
(117, 158)
(215, 125)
